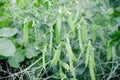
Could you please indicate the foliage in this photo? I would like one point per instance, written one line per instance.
(60, 39)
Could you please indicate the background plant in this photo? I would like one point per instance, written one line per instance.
(60, 39)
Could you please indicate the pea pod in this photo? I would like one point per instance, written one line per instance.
(91, 70)
(25, 33)
(56, 56)
(72, 69)
(87, 57)
(69, 50)
(58, 29)
(43, 55)
(80, 40)
(84, 33)
(109, 51)
(71, 23)
(65, 65)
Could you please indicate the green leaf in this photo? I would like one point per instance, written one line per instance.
(114, 42)
(110, 11)
(30, 51)
(2, 57)
(7, 48)
(13, 62)
(8, 32)
(16, 59)
(19, 55)
(4, 20)
(115, 34)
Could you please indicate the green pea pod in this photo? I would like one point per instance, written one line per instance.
(56, 56)
(58, 29)
(109, 51)
(69, 50)
(62, 75)
(84, 33)
(71, 23)
(43, 55)
(72, 69)
(87, 57)
(51, 39)
(80, 40)
(91, 70)
(25, 33)
(64, 64)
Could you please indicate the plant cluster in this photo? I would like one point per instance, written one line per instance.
(60, 39)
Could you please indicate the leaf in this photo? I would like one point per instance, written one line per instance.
(2, 57)
(30, 51)
(8, 32)
(19, 55)
(115, 35)
(12, 62)
(110, 11)
(114, 42)
(4, 20)
(7, 48)
(16, 59)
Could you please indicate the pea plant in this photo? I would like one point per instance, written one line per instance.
(59, 39)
